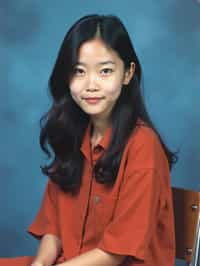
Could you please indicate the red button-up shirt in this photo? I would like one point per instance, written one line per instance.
(134, 217)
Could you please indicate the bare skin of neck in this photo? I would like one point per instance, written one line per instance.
(99, 128)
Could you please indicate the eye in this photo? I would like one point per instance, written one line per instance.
(79, 71)
(107, 71)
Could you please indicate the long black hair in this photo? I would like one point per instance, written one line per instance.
(64, 125)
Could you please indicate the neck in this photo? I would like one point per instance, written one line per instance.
(99, 128)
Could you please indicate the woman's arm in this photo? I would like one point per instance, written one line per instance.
(95, 257)
(48, 251)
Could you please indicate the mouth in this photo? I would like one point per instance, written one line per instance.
(93, 100)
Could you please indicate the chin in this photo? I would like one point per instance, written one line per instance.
(92, 111)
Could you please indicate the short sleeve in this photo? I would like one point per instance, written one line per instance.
(46, 221)
(137, 208)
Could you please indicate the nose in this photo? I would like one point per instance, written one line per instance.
(92, 83)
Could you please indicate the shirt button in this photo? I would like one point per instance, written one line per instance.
(97, 149)
(97, 199)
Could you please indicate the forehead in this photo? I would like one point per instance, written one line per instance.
(95, 51)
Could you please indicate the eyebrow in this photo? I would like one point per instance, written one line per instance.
(100, 63)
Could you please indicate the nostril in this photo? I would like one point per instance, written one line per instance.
(92, 89)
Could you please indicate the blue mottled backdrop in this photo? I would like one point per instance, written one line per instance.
(166, 35)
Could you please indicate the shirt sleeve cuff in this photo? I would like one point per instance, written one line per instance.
(111, 245)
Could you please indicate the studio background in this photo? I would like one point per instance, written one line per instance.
(166, 35)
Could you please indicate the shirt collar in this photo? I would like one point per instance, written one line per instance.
(104, 143)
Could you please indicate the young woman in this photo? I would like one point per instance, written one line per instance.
(108, 199)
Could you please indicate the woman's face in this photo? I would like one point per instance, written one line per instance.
(98, 78)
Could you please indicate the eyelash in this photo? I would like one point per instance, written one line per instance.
(104, 71)
(78, 71)
(108, 70)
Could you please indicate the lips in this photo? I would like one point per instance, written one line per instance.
(93, 100)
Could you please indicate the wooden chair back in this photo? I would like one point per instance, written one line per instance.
(187, 222)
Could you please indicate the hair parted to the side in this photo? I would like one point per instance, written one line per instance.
(64, 125)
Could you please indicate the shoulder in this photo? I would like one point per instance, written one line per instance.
(144, 137)
(144, 148)
(52, 189)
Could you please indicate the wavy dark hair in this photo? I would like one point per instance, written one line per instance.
(64, 125)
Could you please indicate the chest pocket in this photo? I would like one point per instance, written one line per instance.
(103, 208)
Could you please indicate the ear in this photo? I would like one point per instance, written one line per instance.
(129, 74)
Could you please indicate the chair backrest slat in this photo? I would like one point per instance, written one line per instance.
(196, 256)
(186, 211)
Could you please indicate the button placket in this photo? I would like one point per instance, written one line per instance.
(96, 199)
(96, 153)
(87, 206)
(97, 149)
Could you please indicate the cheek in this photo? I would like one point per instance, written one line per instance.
(114, 88)
(75, 88)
